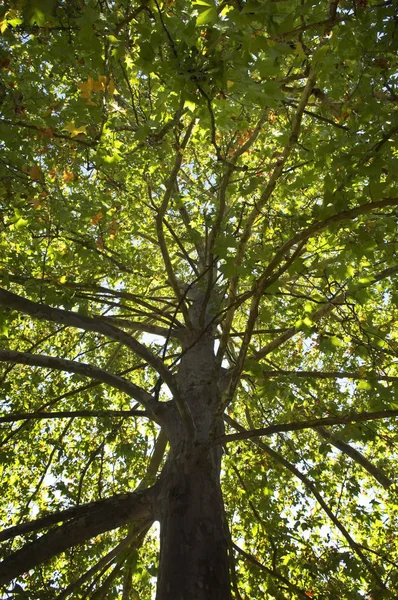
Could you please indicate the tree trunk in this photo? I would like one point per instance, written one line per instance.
(194, 562)
(193, 543)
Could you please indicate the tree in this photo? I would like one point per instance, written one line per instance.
(198, 306)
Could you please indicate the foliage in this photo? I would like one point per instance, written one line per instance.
(247, 147)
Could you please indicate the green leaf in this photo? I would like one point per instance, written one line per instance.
(195, 236)
(364, 385)
(147, 53)
(20, 223)
(207, 17)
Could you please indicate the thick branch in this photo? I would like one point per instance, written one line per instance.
(154, 463)
(71, 414)
(95, 519)
(309, 485)
(329, 306)
(72, 319)
(62, 516)
(310, 424)
(328, 375)
(356, 456)
(72, 366)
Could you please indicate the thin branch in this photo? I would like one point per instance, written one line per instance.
(269, 188)
(51, 133)
(69, 394)
(101, 591)
(128, 581)
(327, 23)
(222, 208)
(143, 326)
(101, 563)
(258, 290)
(134, 538)
(328, 121)
(160, 219)
(181, 246)
(45, 470)
(269, 571)
(128, 18)
(317, 226)
(100, 289)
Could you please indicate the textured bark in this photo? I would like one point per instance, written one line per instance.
(101, 516)
(118, 502)
(194, 560)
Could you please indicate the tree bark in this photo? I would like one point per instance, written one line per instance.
(100, 516)
(194, 561)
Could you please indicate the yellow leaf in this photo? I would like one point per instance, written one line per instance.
(3, 26)
(190, 105)
(68, 176)
(86, 88)
(62, 279)
(113, 229)
(73, 130)
(111, 87)
(99, 86)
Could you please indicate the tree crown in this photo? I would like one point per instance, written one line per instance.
(214, 180)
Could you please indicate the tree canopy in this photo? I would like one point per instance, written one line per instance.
(186, 185)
